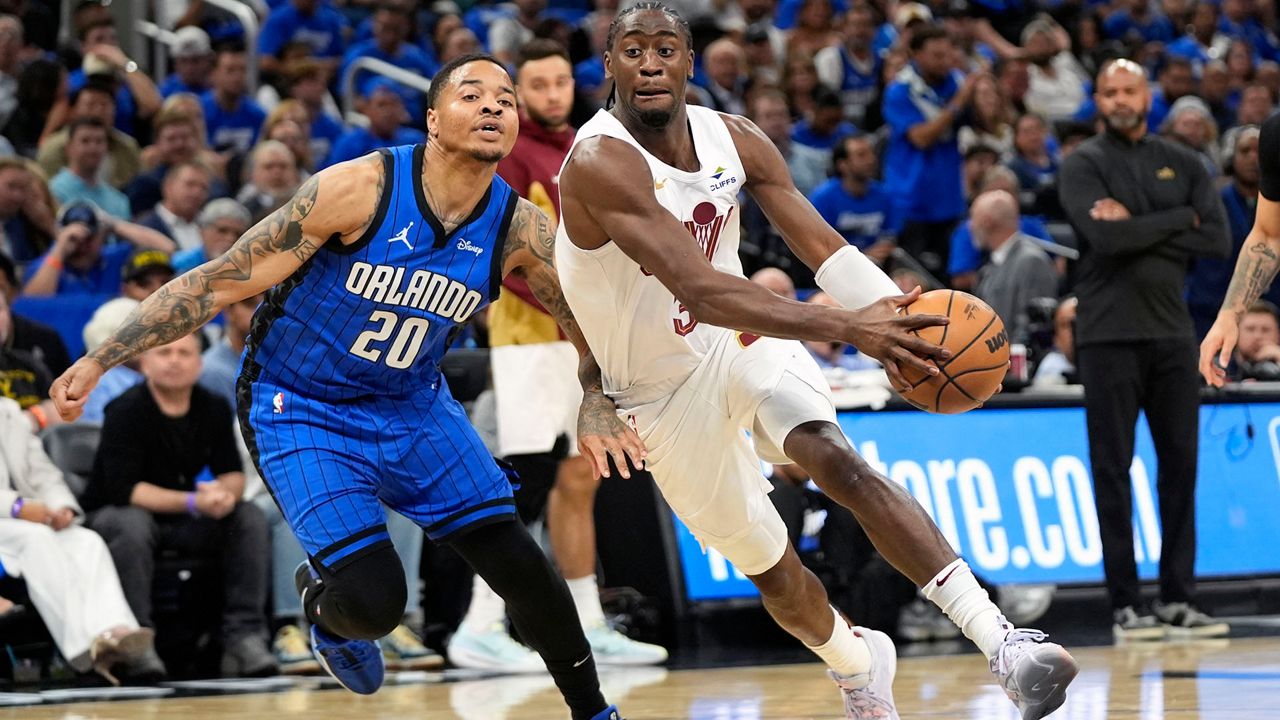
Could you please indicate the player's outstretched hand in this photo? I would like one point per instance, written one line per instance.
(71, 389)
(1216, 350)
(882, 332)
(603, 435)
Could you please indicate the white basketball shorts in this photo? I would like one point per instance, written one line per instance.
(700, 453)
(538, 395)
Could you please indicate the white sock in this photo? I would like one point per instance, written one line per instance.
(957, 592)
(586, 597)
(486, 609)
(844, 652)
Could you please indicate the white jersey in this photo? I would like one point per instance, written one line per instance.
(645, 340)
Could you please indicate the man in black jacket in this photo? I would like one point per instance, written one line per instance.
(1142, 207)
(168, 475)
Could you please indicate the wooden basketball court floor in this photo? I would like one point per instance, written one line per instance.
(1236, 679)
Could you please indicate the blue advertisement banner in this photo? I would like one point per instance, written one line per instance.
(1011, 490)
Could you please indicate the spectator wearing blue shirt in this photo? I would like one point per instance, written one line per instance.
(1215, 90)
(192, 60)
(231, 118)
(137, 97)
(221, 222)
(386, 117)
(80, 262)
(1177, 79)
(1239, 21)
(1203, 42)
(86, 151)
(1033, 160)
(853, 68)
(1139, 21)
(854, 203)
(825, 126)
(311, 22)
(304, 82)
(26, 217)
(922, 165)
(390, 29)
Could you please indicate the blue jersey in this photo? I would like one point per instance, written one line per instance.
(373, 318)
(860, 86)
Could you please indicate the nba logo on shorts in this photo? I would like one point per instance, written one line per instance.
(277, 403)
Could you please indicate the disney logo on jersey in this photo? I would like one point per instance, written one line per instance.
(419, 289)
(721, 183)
(465, 246)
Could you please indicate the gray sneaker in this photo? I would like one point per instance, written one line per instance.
(1186, 620)
(870, 694)
(1034, 673)
(1128, 625)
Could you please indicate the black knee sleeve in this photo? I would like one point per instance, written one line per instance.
(540, 605)
(365, 600)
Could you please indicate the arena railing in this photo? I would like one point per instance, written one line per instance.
(378, 67)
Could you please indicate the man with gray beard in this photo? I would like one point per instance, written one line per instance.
(1142, 207)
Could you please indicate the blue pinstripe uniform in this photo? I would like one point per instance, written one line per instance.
(340, 393)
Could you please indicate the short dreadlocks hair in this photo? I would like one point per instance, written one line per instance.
(644, 5)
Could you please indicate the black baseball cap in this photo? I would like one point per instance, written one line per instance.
(80, 211)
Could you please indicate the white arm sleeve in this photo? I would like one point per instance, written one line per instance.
(853, 280)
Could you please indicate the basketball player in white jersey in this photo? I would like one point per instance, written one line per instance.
(647, 257)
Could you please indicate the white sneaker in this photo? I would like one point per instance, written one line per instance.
(492, 649)
(611, 647)
(870, 694)
(1034, 673)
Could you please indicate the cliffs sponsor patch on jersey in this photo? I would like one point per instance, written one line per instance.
(422, 289)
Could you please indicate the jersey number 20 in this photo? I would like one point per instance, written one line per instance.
(403, 350)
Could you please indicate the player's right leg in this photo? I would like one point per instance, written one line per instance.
(709, 474)
(317, 461)
(1034, 673)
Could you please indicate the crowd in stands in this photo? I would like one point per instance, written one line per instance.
(929, 134)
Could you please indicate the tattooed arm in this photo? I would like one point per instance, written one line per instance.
(335, 203)
(1255, 270)
(530, 253)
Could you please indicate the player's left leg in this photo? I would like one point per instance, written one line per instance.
(1034, 673)
(509, 560)
(440, 475)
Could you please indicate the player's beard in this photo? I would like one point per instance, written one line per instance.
(487, 155)
(654, 119)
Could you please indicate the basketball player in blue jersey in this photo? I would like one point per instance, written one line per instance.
(340, 395)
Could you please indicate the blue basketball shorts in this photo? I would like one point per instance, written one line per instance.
(330, 465)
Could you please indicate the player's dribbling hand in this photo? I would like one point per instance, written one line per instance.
(603, 435)
(71, 389)
(1216, 350)
(882, 332)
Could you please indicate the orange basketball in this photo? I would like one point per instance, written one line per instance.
(980, 358)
